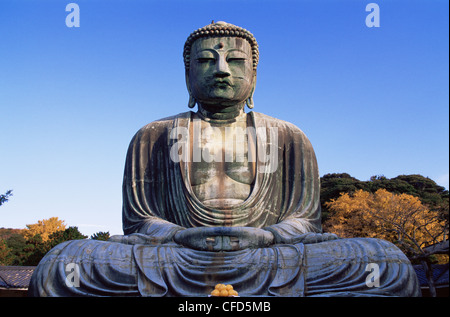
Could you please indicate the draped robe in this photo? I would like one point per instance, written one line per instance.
(158, 200)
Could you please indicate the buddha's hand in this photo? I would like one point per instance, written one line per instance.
(224, 238)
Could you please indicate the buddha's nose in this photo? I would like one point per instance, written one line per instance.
(222, 69)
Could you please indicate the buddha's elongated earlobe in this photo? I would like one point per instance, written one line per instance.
(192, 101)
(249, 101)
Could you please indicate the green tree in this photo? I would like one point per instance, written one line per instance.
(332, 185)
(36, 248)
(416, 185)
(5, 254)
(430, 193)
(4, 197)
(103, 236)
(435, 197)
(71, 233)
(17, 243)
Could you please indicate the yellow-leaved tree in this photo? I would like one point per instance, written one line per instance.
(399, 218)
(44, 228)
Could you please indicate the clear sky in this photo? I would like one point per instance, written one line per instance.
(373, 101)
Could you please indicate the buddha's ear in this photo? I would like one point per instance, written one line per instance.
(192, 101)
(249, 101)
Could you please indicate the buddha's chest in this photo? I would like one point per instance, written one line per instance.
(221, 165)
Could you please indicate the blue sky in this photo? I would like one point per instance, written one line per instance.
(371, 100)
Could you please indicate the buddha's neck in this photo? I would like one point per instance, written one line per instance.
(216, 114)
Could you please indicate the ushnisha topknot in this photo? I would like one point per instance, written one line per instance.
(216, 29)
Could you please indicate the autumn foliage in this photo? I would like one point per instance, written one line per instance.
(28, 246)
(44, 228)
(399, 218)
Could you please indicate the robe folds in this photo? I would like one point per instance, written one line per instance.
(158, 198)
(158, 201)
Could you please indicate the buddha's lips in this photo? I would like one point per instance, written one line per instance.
(222, 83)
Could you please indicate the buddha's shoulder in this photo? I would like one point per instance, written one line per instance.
(276, 122)
(163, 124)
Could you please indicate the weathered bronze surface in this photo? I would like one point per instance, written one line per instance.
(223, 196)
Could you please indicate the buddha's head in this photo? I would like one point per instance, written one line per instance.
(220, 61)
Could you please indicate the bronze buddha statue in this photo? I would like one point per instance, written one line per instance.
(223, 196)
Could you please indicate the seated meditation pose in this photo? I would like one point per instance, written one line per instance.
(223, 196)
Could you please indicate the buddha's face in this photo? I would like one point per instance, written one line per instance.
(221, 71)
